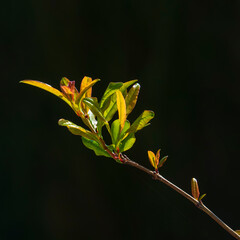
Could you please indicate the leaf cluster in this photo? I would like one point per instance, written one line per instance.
(97, 114)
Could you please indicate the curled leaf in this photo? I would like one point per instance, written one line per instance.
(86, 81)
(195, 188)
(68, 89)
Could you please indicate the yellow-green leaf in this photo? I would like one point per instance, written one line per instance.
(202, 196)
(111, 89)
(85, 82)
(84, 90)
(47, 88)
(195, 188)
(151, 157)
(121, 105)
(127, 143)
(77, 130)
(111, 108)
(131, 98)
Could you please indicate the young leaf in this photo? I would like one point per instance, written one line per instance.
(77, 130)
(195, 189)
(68, 89)
(121, 105)
(131, 98)
(93, 145)
(141, 121)
(202, 196)
(47, 88)
(157, 157)
(151, 157)
(162, 161)
(127, 143)
(93, 106)
(85, 82)
(84, 90)
(64, 81)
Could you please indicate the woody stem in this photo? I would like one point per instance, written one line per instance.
(197, 203)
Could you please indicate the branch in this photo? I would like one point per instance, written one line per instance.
(198, 204)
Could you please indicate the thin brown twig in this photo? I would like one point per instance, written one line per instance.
(125, 160)
(197, 203)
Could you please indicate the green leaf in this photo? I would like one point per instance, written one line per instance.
(112, 106)
(93, 145)
(112, 88)
(127, 143)
(141, 121)
(77, 130)
(121, 105)
(115, 130)
(131, 98)
(92, 103)
(47, 88)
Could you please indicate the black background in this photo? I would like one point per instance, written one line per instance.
(186, 56)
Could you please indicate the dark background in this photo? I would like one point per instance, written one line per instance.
(186, 56)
